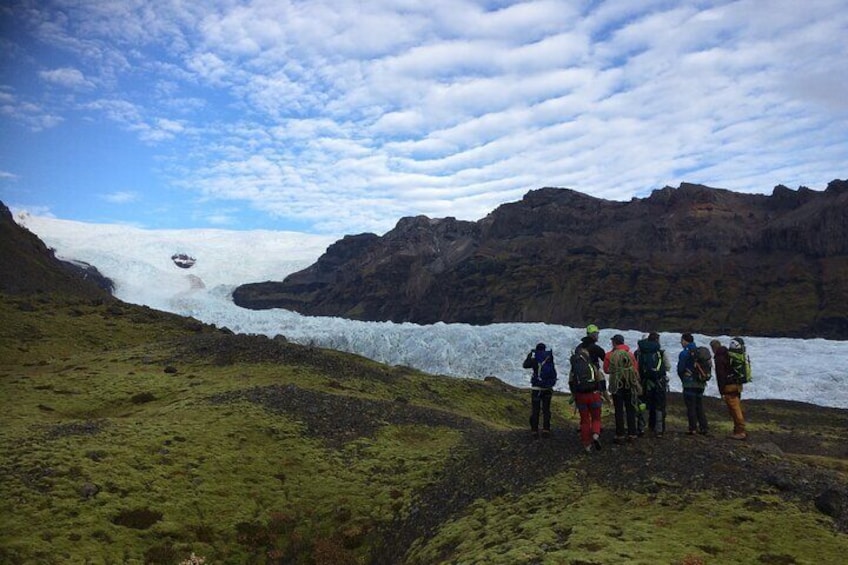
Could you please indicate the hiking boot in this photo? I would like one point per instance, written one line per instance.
(596, 441)
(620, 440)
(742, 436)
(690, 433)
(588, 448)
(546, 433)
(534, 434)
(704, 432)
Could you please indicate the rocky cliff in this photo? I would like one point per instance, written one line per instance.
(690, 258)
(27, 266)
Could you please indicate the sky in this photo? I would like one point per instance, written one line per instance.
(139, 262)
(332, 117)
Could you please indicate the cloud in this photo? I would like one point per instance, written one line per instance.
(31, 115)
(67, 77)
(122, 197)
(383, 109)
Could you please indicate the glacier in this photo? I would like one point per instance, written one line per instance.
(140, 263)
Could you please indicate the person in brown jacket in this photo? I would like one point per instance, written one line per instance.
(731, 392)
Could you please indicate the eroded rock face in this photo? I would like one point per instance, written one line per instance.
(691, 258)
(183, 260)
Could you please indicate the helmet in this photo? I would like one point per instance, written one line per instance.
(737, 343)
(592, 329)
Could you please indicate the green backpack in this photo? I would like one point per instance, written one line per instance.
(740, 363)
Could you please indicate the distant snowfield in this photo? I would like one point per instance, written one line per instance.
(139, 261)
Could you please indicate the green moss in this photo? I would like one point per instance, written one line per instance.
(107, 458)
(567, 523)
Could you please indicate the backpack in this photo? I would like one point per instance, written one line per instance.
(703, 364)
(650, 359)
(582, 375)
(547, 370)
(740, 363)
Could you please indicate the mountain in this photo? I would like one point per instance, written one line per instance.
(693, 258)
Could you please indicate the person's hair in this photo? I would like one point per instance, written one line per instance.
(687, 338)
(618, 339)
(540, 347)
(715, 344)
(653, 336)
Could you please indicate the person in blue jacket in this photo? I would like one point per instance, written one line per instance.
(693, 388)
(541, 360)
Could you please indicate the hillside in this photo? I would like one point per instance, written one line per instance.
(129, 435)
(687, 259)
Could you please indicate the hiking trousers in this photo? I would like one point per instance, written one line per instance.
(589, 405)
(694, 399)
(655, 399)
(732, 396)
(540, 401)
(625, 402)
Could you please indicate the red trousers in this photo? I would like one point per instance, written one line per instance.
(589, 405)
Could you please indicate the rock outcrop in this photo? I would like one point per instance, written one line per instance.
(691, 258)
(27, 266)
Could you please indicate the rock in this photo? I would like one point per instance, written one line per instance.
(183, 260)
(781, 482)
(768, 448)
(89, 490)
(832, 502)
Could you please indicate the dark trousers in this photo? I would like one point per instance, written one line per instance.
(655, 397)
(694, 399)
(625, 402)
(541, 401)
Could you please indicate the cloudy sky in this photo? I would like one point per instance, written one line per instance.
(341, 116)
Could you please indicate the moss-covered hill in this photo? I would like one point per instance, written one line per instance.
(132, 436)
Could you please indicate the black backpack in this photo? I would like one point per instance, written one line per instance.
(650, 360)
(582, 376)
(703, 364)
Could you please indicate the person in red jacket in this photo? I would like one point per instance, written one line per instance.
(731, 392)
(624, 386)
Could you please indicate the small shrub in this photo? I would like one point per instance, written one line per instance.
(143, 397)
(137, 519)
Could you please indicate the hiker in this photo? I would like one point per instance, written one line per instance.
(653, 374)
(693, 387)
(542, 388)
(590, 343)
(585, 381)
(624, 386)
(596, 357)
(729, 386)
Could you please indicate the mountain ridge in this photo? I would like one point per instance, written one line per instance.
(692, 258)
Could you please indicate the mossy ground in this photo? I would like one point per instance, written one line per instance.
(118, 446)
(565, 521)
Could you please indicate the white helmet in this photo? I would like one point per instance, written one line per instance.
(737, 343)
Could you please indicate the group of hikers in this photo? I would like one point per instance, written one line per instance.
(636, 382)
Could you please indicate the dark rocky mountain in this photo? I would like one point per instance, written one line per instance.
(27, 266)
(688, 258)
